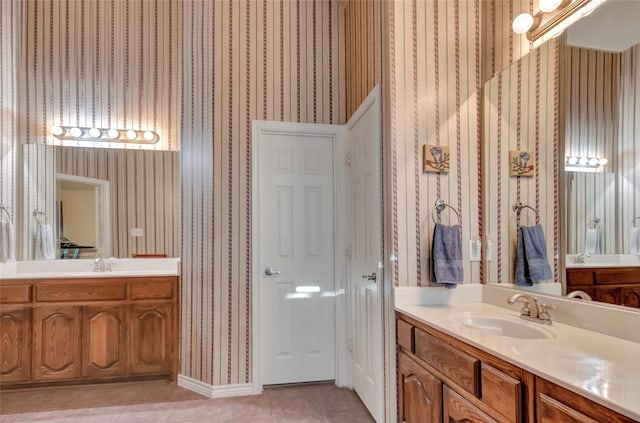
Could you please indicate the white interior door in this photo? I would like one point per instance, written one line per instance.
(365, 235)
(296, 241)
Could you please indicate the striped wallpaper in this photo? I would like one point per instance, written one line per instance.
(628, 154)
(8, 99)
(435, 98)
(270, 60)
(98, 64)
(591, 90)
(145, 193)
(521, 112)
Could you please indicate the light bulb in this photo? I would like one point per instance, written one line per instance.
(603, 161)
(593, 161)
(131, 134)
(572, 160)
(95, 133)
(549, 5)
(56, 130)
(583, 161)
(148, 135)
(522, 23)
(76, 132)
(113, 133)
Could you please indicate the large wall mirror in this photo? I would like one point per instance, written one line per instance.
(575, 103)
(100, 202)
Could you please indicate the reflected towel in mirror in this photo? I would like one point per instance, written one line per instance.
(7, 242)
(592, 241)
(531, 256)
(446, 252)
(634, 240)
(43, 242)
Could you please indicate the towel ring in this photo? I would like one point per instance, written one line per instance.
(594, 224)
(41, 217)
(518, 206)
(5, 212)
(633, 221)
(439, 206)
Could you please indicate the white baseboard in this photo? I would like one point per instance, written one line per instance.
(219, 391)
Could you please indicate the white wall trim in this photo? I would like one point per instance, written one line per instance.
(338, 133)
(219, 391)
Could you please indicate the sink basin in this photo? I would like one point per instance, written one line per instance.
(503, 326)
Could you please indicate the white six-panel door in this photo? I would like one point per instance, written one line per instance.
(365, 235)
(296, 242)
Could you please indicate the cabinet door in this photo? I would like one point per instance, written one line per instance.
(553, 411)
(56, 343)
(419, 393)
(104, 341)
(151, 338)
(631, 296)
(459, 410)
(610, 295)
(14, 346)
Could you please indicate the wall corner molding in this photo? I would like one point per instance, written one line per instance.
(218, 391)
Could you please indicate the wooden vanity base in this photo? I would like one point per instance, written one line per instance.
(63, 331)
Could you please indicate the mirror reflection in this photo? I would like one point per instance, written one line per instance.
(597, 159)
(104, 202)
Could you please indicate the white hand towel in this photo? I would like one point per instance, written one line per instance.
(7, 242)
(634, 240)
(43, 240)
(592, 241)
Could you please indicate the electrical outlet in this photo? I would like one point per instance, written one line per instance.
(137, 232)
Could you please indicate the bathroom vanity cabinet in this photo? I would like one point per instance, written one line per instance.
(442, 379)
(89, 329)
(613, 285)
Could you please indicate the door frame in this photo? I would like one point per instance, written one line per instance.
(338, 135)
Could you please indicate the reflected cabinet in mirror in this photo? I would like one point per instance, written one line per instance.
(99, 202)
(573, 104)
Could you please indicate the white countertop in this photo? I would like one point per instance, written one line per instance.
(600, 367)
(120, 267)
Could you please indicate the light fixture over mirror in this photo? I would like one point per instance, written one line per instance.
(553, 18)
(130, 136)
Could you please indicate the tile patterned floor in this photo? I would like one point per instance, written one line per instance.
(163, 402)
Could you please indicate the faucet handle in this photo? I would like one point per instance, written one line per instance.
(543, 313)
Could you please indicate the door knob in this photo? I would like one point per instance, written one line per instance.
(270, 271)
(371, 277)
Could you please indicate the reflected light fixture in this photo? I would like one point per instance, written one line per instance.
(584, 164)
(127, 136)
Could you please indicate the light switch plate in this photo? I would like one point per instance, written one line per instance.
(475, 248)
(136, 232)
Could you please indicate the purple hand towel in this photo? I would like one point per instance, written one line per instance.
(446, 252)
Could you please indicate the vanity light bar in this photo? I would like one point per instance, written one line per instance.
(130, 136)
(584, 164)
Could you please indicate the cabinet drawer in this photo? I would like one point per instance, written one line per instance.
(151, 290)
(459, 410)
(16, 294)
(576, 277)
(617, 276)
(405, 335)
(56, 292)
(461, 368)
(502, 393)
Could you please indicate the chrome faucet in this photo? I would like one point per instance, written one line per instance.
(579, 294)
(99, 265)
(579, 259)
(531, 310)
